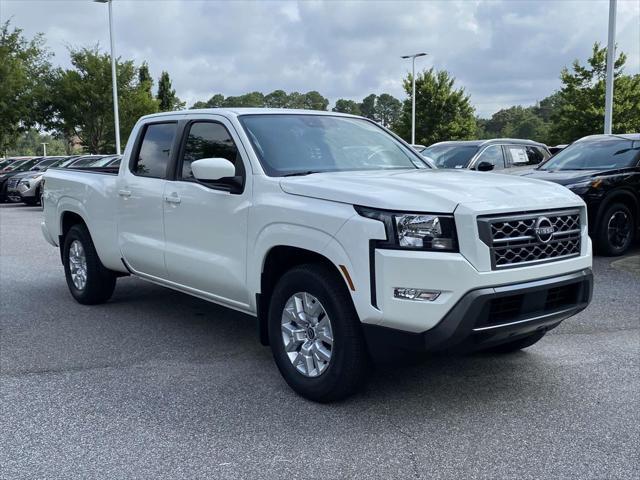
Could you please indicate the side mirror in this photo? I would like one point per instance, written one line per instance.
(212, 169)
(484, 167)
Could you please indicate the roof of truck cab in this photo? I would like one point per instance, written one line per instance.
(249, 111)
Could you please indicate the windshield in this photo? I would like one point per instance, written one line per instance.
(299, 144)
(84, 161)
(102, 161)
(22, 165)
(45, 163)
(451, 155)
(66, 162)
(605, 154)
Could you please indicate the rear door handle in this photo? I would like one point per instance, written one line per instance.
(124, 193)
(173, 198)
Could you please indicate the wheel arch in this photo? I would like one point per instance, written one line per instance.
(623, 196)
(278, 260)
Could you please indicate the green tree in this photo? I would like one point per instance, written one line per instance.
(82, 101)
(30, 143)
(443, 112)
(145, 80)
(346, 106)
(387, 110)
(368, 106)
(216, 101)
(581, 100)
(276, 99)
(251, 99)
(314, 101)
(25, 74)
(295, 100)
(167, 98)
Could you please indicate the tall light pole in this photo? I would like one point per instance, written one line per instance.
(413, 94)
(114, 79)
(611, 58)
(44, 148)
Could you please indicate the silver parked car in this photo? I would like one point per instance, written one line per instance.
(27, 186)
(486, 155)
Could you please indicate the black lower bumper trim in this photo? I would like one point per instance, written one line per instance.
(491, 316)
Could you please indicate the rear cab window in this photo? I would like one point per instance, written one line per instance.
(154, 152)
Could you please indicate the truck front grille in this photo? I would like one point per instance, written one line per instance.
(522, 239)
(12, 182)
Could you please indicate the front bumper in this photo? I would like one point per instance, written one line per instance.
(28, 191)
(491, 316)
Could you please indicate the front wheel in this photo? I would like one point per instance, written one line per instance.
(315, 334)
(88, 280)
(616, 230)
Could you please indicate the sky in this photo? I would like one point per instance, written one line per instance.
(502, 52)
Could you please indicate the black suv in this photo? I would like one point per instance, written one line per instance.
(605, 171)
(484, 155)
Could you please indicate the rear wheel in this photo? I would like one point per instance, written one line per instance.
(616, 230)
(315, 335)
(88, 280)
(516, 345)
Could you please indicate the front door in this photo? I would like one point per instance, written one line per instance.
(206, 225)
(140, 199)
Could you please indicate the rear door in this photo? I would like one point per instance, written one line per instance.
(206, 224)
(140, 198)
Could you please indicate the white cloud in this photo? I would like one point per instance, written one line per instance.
(502, 52)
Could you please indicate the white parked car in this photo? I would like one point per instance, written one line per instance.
(330, 230)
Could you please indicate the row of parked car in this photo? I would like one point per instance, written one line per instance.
(22, 178)
(602, 169)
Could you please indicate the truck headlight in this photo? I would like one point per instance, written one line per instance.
(416, 231)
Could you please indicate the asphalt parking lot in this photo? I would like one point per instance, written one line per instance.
(156, 384)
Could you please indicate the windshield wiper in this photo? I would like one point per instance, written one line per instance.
(301, 174)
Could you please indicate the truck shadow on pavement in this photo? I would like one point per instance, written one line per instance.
(200, 332)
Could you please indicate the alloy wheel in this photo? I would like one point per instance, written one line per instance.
(78, 265)
(619, 229)
(307, 334)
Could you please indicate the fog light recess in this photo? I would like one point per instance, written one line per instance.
(416, 294)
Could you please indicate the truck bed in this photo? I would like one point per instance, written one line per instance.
(92, 194)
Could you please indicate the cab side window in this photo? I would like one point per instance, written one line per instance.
(492, 155)
(208, 140)
(155, 150)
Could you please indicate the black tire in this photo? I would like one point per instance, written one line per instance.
(612, 243)
(517, 345)
(100, 281)
(347, 369)
(30, 201)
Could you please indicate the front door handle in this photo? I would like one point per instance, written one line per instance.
(124, 193)
(173, 198)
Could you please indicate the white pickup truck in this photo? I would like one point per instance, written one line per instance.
(330, 230)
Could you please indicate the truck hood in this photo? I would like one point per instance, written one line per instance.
(439, 191)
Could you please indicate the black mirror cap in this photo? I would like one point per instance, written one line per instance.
(484, 167)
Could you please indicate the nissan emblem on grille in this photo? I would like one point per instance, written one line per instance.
(544, 229)
(530, 238)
